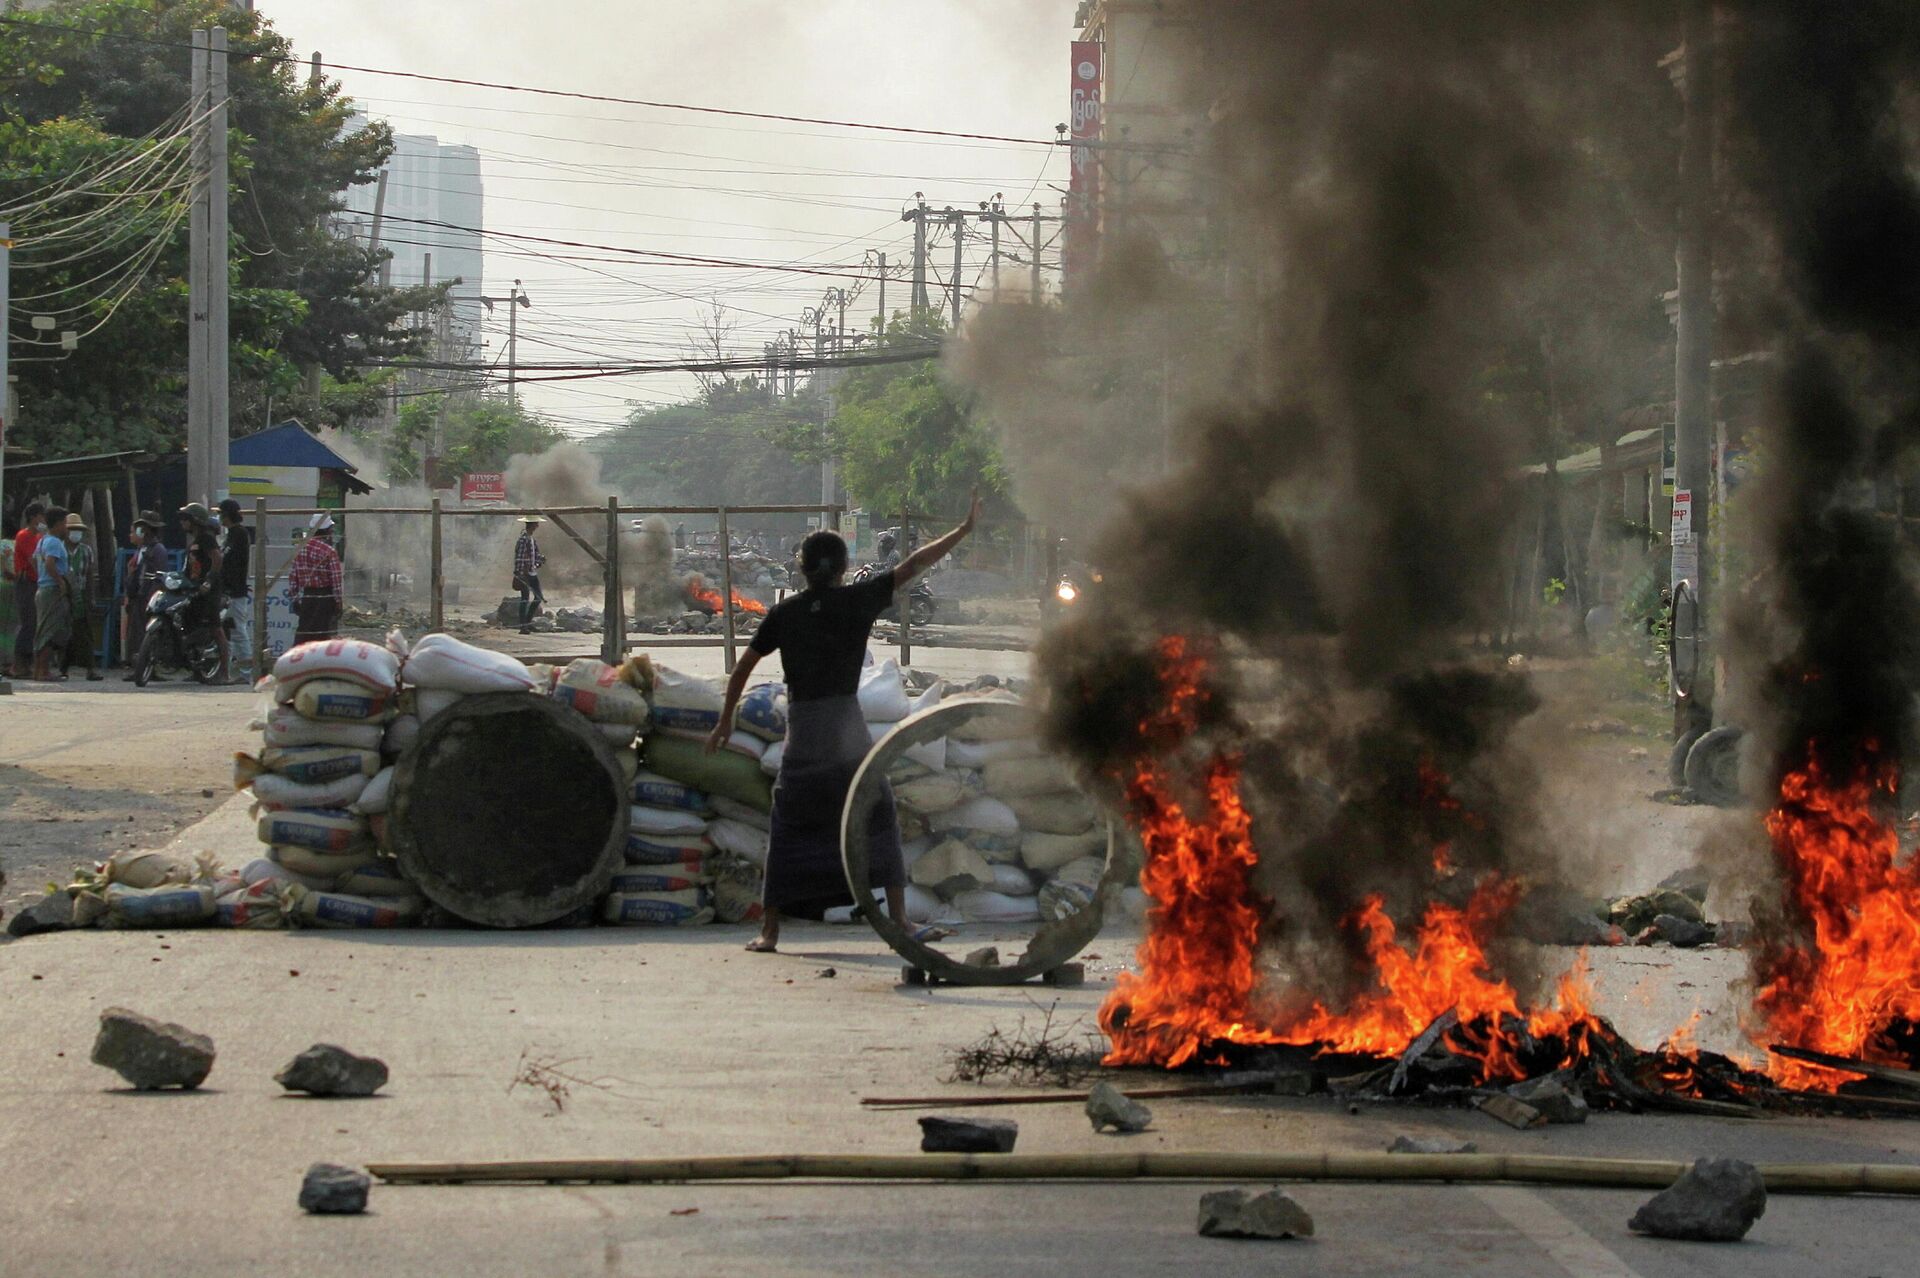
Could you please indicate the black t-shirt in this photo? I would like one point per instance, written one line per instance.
(821, 636)
(234, 562)
(200, 555)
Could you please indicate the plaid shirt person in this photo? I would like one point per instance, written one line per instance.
(527, 559)
(316, 570)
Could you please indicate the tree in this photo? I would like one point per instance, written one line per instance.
(95, 83)
(725, 446)
(480, 435)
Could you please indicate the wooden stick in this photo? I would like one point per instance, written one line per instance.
(1057, 1098)
(1848, 1064)
(1535, 1169)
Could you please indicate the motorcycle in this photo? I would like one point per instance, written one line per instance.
(920, 600)
(171, 641)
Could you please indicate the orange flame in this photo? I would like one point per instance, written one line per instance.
(1198, 985)
(701, 595)
(1855, 971)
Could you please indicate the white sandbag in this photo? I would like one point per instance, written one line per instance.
(601, 692)
(1018, 778)
(378, 879)
(286, 726)
(322, 829)
(173, 905)
(644, 819)
(263, 870)
(308, 765)
(763, 711)
(442, 662)
(931, 755)
(666, 849)
(429, 702)
(651, 879)
(924, 906)
(147, 869)
(982, 812)
(661, 792)
(401, 733)
(258, 905)
(1012, 724)
(1048, 852)
(978, 754)
(368, 664)
(951, 868)
(737, 889)
(617, 735)
(276, 793)
(684, 703)
(688, 862)
(337, 909)
(931, 697)
(326, 868)
(1065, 812)
(883, 693)
(342, 701)
(741, 840)
(935, 792)
(1011, 880)
(377, 797)
(658, 909)
(745, 813)
(770, 761)
(997, 907)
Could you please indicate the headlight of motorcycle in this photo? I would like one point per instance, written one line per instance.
(173, 581)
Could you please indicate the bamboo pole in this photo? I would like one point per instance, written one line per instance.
(726, 590)
(1533, 1169)
(613, 616)
(438, 619)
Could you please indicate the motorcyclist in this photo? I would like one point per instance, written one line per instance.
(203, 570)
(890, 549)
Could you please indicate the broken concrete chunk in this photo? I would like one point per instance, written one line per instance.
(1514, 1113)
(51, 913)
(985, 956)
(332, 1190)
(151, 1054)
(1108, 1106)
(1693, 881)
(1635, 914)
(968, 1135)
(1715, 1200)
(1557, 1100)
(1682, 933)
(326, 1070)
(1425, 1145)
(1241, 1213)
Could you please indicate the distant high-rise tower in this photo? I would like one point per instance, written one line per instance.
(435, 204)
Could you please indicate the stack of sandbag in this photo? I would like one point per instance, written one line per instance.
(320, 784)
(664, 883)
(999, 834)
(613, 698)
(150, 890)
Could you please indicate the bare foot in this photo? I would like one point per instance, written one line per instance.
(761, 945)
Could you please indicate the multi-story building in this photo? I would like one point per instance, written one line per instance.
(434, 204)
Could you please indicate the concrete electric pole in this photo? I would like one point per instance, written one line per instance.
(207, 274)
(1693, 377)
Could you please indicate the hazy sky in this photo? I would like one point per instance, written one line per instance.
(754, 191)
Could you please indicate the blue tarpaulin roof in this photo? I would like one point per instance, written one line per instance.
(288, 444)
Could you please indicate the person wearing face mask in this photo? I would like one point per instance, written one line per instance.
(81, 572)
(144, 571)
(20, 573)
(53, 604)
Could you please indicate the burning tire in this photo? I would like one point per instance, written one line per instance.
(1713, 767)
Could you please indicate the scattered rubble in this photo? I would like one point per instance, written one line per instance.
(1241, 1213)
(1680, 933)
(326, 1070)
(967, 1135)
(151, 1054)
(51, 913)
(1716, 1200)
(1556, 1099)
(329, 1189)
(1108, 1106)
(1427, 1145)
(985, 956)
(1516, 1114)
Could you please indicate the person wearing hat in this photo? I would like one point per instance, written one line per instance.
(236, 583)
(527, 561)
(144, 571)
(317, 583)
(83, 573)
(53, 601)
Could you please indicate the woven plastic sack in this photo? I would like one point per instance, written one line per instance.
(286, 726)
(649, 820)
(342, 701)
(1017, 778)
(951, 868)
(308, 908)
(770, 761)
(883, 693)
(937, 791)
(691, 908)
(997, 907)
(982, 812)
(306, 765)
(635, 882)
(1048, 852)
(175, 905)
(745, 813)
(146, 869)
(377, 798)
(726, 773)
(400, 734)
(355, 660)
(256, 905)
(429, 702)
(657, 791)
(276, 792)
(326, 868)
(1065, 812)
(602, 693)
(321, 829)
(741, 840)
(685, 703)
(763, 711)
(666, 849)
(443, 662)
(379, 878)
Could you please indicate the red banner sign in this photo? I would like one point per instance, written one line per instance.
(484, 485)
(1085, 124)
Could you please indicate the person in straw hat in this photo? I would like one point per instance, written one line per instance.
(527, 561)
(315, 578)
(83, 575)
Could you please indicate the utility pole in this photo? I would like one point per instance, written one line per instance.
(219, 271)
(6, 399)
(918, 216)
(958, 221)
(515, 300)
(1693, 379)
(883, 293)
(199, 403)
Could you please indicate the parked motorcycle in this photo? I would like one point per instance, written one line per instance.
(174, 642)
(920, 600)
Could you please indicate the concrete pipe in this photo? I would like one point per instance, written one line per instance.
(509, 811)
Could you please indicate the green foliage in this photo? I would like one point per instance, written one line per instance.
(301, 299)
(1554, 593)
(480, 435)
(731, 445)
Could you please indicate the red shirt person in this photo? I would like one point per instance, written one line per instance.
(316, 580)
(26, 584)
